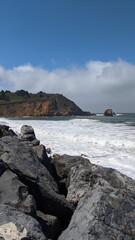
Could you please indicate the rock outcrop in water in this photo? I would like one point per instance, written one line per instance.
(38, 105)
(63, 197)
(109, 112)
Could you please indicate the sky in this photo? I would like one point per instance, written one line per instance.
(83, 49)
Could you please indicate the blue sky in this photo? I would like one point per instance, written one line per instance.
(49, 35)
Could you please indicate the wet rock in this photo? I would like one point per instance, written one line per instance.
(103, 213)
(17, 225)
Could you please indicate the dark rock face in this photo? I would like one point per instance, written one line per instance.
(27, 134)
(15, 193)
(6, 131)
(22, 160)
(17, 225)
(50, 225)
(109, 112)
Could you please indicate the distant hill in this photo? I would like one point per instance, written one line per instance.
(23, 103)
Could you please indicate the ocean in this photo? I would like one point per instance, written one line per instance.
(106, 141)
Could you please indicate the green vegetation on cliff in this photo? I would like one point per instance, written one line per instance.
(23, 96)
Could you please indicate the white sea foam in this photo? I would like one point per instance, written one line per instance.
(106, 144)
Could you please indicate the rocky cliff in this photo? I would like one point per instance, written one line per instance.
(48, 105)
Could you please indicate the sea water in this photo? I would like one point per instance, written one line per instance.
(106, 141)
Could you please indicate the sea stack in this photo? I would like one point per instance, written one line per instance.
(109, 112)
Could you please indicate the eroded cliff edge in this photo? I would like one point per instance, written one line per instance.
(40, 104)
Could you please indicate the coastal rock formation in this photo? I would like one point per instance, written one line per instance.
(109, 112)
(79, 175)
(103, 213)
(22, 160)
(17, 225)
(74, 200)
(15, 193)
(49, 105)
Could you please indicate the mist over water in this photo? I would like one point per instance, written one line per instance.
(107, 141)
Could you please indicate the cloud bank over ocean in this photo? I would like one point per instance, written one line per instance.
(95, 86)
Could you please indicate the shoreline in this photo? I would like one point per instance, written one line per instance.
(54, 192)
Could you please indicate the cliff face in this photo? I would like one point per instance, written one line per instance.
(56, 105)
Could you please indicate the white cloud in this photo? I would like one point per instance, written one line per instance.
(95, 87)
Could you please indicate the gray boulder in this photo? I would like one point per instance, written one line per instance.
(63, 164)
(15, 193)
(82, 178)
(27, 133)
(22, 160)
(103, 213)
(19, 226)
(80, 175)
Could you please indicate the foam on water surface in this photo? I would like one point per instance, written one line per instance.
(106, 144)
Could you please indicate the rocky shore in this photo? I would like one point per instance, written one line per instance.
(60, 197)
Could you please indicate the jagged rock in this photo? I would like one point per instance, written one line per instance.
(27, 134)
(6, 131)
(80, 175)
(22, 160)
(109, 112)
(19, 226)
(15, 193)
(63, 164)
(79, 182)
(42, 156)
(50, 225)
(103, 213)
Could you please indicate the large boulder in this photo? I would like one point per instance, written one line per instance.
(15, 193)
(27, 134)
(103, 213)
(62, 165)
(17, 225)
(22, 160)
(80, 175)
